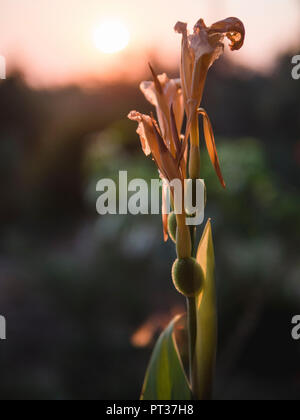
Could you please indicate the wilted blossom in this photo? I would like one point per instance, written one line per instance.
(162, 139)
(164, 93)
(199, 52)
(171, 97)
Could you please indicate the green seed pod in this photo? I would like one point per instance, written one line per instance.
(188, 277)
(172, 226)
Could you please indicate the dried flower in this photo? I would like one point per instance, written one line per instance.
(164, 93)
(163, 140)
(153, 143)
(199, 51)
(170, 167)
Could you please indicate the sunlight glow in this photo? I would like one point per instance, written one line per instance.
(111, 36)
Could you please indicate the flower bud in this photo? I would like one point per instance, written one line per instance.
(188, 277)
(172, 226)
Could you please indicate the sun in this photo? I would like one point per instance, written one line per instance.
(111, 36)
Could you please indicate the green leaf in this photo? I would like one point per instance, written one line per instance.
(206, 307)
(165, 377)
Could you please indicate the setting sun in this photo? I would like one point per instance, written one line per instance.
(111, 36)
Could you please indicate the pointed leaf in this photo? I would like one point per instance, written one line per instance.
(206, 342)
(165, 377)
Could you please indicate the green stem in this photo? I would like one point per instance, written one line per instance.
(192, 322)
(192, 335)
(193, 231)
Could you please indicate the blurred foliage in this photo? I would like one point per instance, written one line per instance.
(75, 286)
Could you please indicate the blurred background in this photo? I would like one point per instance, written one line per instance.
(85, 296)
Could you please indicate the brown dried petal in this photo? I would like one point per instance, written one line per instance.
(141, 130)
(234, 30)
(211, 145)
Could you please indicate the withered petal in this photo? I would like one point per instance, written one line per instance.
(175, 136)
(141, 131)
(166, 162)
(153, 143)
(157, 83)
(200, 25)
(162, 92)
(148, 90)
(185, 138)
(211, 145)
(234, 30)
(181, 28)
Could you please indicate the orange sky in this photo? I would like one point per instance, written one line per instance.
(52, 39)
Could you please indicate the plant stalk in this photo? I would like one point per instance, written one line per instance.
(194, 173)
(194, 158)
(192, 335)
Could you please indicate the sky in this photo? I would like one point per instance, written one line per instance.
(52, 40)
